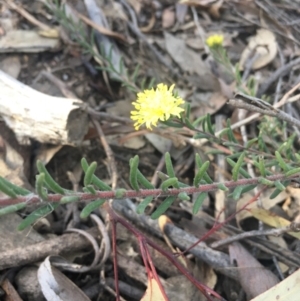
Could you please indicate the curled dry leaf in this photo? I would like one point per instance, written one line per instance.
(262, 48)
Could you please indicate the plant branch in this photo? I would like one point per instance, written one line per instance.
(142, 193)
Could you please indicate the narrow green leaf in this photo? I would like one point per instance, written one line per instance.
(95, 180)
(221, 186)
(134, 162)
(275, 193)
(53, 185)
(281, 162)
(199, 201)
(37, 214)
(183, 196)
(89, 174)
(143, 180)
(251, 142)
(236, 194)
(89, 189)
(69, 199)
(168, 183)
(16, 189)
(172, 124)
(237, 166)
(223, 132)
(261, 165)
(120, 193)
(188, 112)
(198, 121)
(89, 208)
(248, 188)
(135, 73)
(162, 208)
(6, 189)
(39, 186)
(12, 208)
(200, 173)
(230, 132)
(279, 185)
(140, 209)
(201, 136)
(266, 182)
(209, 124)
(292, 172)
(188, 124)
(169, 165)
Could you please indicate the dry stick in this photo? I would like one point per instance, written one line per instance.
(278, 113)
(254, 233)
(279, 72)
(27, 15)
(57, 246)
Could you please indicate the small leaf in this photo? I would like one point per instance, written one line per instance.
(261, 166)
(142, 206)
(169, 165)
(134, 162)
(236, 194)
(200, 173)
(120, 193)
(168, 183)
(16, 189)
(39, 186)
(6, 189)
(221, 186)
(209, 124)
(53, 185)
(89, 189)
(292, 172)
(37, 214)
(266, 182)
(89, 174)
(162, 208)
(69, 199)
(95, 180)
(279, 185)
(183, 196)
(143, 180)
(12, 208)
(230, 132)
(89, 208)
(237, 166)
(199, 201)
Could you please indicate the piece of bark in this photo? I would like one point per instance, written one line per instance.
(57, 246)
(27, 41)
(45, 118)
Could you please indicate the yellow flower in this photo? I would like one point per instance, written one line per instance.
(154, 105)
(215, 40)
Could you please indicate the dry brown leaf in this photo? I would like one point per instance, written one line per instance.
(267, 203)
(272, 219)
(263, 46)
(214, 10)
(254, 277)
(288, 289)
(153, 292)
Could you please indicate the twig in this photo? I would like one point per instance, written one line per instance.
(27, 15)
(264, 108)
(109, 153)
(226, 241)
(285, 69)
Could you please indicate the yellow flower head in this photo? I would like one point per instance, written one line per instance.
(154, 105)
(215, 40)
